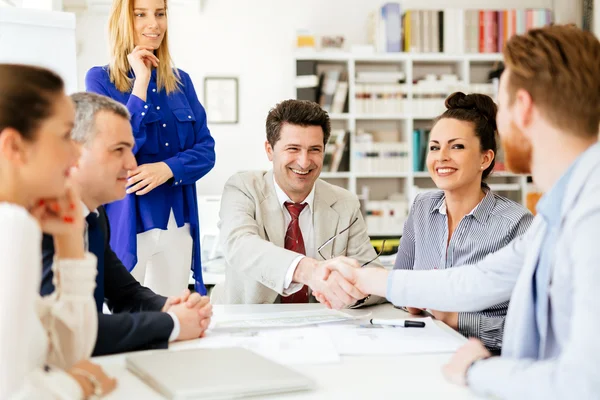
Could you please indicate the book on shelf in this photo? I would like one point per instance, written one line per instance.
(386, 217)
(337, 154)
(340, 95)
(327, 89)
(385, 28)
(333, 91)
(380, 153)
(456, 31)
(420, 148)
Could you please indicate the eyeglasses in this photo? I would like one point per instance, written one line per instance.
(338, 234)
(331, 239)
(377, 256)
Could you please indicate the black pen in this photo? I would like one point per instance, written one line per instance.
(400, 323)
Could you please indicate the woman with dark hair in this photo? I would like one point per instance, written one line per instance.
(44, 342)
(464, 221)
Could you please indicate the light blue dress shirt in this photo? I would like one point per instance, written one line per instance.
(549, 207)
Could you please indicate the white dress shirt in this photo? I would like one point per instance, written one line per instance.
(307, 227)
(57, 330)
(176, 326)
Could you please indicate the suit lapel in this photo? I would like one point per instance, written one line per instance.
(325, 219)
(272, 213)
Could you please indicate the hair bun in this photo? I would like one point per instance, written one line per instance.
(480, 103)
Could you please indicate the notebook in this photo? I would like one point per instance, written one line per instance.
(222, 373)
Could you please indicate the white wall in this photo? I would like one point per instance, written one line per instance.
(254, 40)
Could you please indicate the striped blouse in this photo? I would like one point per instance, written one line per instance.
(494, 223)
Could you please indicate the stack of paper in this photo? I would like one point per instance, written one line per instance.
(285, 346)
(280, 319)
(324, 343)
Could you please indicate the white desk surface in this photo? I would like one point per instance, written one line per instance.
(365, 377)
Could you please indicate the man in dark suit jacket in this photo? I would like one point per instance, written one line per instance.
(140, 318)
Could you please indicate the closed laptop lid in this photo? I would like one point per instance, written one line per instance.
(214, 373)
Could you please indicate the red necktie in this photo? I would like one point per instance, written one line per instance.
(295, 242)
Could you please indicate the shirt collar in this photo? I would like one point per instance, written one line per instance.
(282, 197)
(86, 211)
(481, 212)
(550, 205)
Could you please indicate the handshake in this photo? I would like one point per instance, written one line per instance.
(341, 281)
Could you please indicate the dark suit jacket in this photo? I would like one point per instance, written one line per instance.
(137, 322)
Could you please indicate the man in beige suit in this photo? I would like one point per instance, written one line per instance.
(275, 226)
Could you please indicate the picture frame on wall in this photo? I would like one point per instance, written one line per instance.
(221, 99)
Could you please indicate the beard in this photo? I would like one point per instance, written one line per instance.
(517, 150)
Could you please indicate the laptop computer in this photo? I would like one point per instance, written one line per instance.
(221, 373)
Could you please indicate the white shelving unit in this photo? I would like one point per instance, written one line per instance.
(470, 68)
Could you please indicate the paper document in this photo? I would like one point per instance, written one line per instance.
(285, 346)
(280, 319)
(356, 340)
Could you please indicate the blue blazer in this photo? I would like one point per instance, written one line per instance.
(171, 129)
(137, 322)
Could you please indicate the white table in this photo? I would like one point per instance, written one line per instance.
(366, 377)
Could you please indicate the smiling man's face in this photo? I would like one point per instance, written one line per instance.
(297, 159)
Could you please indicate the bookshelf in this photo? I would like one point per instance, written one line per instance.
(416, 110)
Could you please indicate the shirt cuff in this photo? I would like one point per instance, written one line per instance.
(137, 106)
(289, 287)
(390, 286)
(177, 169)
(489, 377)
(469, 324)
(76, 277)
(176, 327)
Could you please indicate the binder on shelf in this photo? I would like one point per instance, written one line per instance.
(392, 23)
(420, 146)
(341, 94)
(407, 19)
(328, 87)
(416, 142)
(335, 150)
(423, 150)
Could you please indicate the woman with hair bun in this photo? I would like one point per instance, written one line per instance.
(464, 221)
